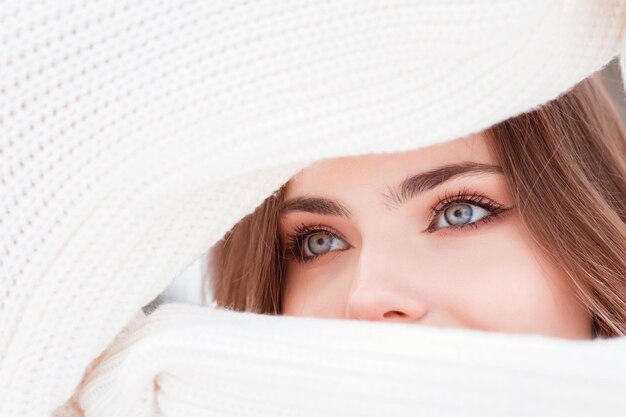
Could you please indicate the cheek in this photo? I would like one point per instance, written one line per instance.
(318, 290)
(502, 284)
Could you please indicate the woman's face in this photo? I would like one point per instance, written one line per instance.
(429, 237)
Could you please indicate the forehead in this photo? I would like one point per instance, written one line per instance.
(381, 170)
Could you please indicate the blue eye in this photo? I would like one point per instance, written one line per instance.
(321, 242)
(464, 209)
(459, 214)
(307, 242)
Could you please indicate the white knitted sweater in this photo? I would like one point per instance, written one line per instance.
(134, 134)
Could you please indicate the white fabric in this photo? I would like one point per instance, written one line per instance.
(134, 134)
(224, 363)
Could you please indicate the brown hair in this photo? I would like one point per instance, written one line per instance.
(565, 163)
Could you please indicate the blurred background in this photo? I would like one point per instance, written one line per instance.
(187, 287)
(611, 76)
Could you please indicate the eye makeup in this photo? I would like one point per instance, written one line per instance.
(464, 196)
(296, 239)
(294, 246)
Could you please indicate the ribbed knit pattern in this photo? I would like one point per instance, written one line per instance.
(184, 362)
(134, 134)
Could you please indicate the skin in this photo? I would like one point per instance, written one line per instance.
(385, 265)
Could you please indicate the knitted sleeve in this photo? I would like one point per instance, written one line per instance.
(185, 361)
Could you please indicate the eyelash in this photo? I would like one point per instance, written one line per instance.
(296, 239)
(465, 196)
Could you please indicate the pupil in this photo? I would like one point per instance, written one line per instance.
(458, 214)
(320, 243)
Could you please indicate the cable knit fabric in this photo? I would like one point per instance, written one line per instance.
(135, 134)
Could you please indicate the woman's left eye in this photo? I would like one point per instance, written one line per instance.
(459, 214)
(464, 210)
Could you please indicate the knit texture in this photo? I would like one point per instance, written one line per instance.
(181, 361)
(135, 134)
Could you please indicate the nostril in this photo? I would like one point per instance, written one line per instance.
(390, 314)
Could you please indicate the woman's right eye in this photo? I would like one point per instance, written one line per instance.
(321, 242)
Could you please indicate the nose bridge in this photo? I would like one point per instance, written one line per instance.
(384, 283)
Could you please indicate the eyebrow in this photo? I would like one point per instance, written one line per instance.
(408, 189)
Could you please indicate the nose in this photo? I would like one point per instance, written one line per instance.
(385, 288)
